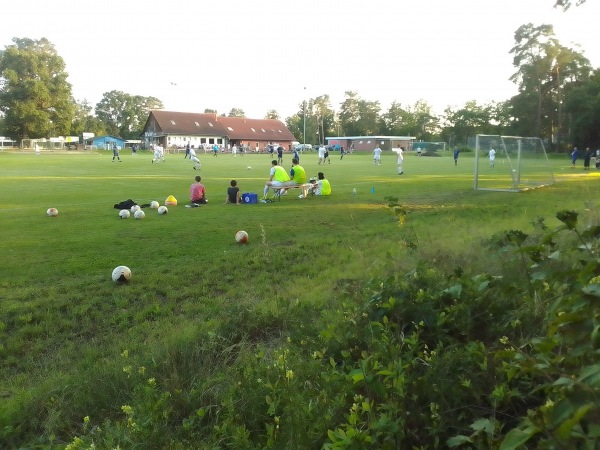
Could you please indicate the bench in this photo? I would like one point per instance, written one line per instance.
(305, 188)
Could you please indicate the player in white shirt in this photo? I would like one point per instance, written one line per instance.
(158, 154)
(195, 159)
(321, 154)
(492, 155)
(377, 156)
(400, 151)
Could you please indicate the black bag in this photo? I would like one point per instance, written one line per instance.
(127, 204)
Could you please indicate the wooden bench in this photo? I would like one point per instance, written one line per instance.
(305, 188)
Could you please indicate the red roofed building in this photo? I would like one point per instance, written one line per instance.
(176, 129)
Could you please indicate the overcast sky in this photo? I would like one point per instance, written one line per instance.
(271, 54)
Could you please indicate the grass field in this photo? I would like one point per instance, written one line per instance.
(62, 316)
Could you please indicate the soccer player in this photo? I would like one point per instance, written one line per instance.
(278, 177)
(115, 150)
(492, 156)
(322, 187)
(377, 155)
(195, 159)
(321, 154)
(400, 152)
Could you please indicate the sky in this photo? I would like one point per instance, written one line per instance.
(266, 55)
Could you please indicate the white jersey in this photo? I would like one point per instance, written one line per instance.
(192, 152)
(321, 152)
(400, 155)
(377, 153)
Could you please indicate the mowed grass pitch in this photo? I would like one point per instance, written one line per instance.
(60, 310)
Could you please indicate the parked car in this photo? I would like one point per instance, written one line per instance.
(303, 147)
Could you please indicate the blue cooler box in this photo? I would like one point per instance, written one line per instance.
(249, 198)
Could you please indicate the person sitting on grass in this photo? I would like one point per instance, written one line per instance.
(278, 177)
(322, 186)
(233, 193)
(197, 192)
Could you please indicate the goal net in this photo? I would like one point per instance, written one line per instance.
(429, 148)
(519, 163)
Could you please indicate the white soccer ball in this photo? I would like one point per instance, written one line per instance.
(241, 237)
(121, 274)
(124, 214)
(154, 204)
(249, 167)
(52, 212)
(139, 214)
(163, 210)
(135, 208)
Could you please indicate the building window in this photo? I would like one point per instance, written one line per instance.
(172, 122)
(203, 140)
(230, 129)
(253, 130)
(210, 124)
(197, 124)
(211, 140)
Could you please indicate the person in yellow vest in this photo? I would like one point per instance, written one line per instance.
(322, 186)
(278, 177)
(297, 172)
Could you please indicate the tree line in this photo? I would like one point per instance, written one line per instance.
(558, 100)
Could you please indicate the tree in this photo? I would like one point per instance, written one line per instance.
(236, 112)
(543, 68)
(272, 114)
(467, 121)
(124, 114)
(394, 120)
(85, 122)
(323, 116)
(35, 96)
(210, 111)
(420, 121)
(566, 4)
(582, 107)
(349, 113)
(359, 117)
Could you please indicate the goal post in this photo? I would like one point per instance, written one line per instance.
(520, 163)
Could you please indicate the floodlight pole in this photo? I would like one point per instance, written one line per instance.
(304, 116)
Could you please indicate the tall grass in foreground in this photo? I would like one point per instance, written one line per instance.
(329, 318)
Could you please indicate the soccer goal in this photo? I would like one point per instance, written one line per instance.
(520, 163)
(430, 148)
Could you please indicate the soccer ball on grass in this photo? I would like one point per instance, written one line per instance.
(241, 237)
(124, 214)
(154, 204)
(163, 210)
(139, 214)
(52, 212)
(121, 274)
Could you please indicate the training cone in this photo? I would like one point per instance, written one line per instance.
(171, 201)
